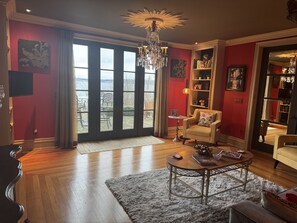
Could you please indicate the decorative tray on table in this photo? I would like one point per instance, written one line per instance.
(232, 155)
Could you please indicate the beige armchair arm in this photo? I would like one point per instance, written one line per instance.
(280, 140)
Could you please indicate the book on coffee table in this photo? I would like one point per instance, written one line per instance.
(203, 161)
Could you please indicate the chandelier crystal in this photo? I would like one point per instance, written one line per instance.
(153, 54)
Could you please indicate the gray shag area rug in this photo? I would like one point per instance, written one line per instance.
(145, 197)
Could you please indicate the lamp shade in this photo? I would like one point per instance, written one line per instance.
(186, 91)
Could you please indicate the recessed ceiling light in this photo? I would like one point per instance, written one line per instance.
(28, 10)
(196, 43)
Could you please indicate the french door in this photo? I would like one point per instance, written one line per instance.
(114, 97)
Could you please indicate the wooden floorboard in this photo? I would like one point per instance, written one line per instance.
(64, 186)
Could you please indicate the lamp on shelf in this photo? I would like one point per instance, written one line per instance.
(153, 54)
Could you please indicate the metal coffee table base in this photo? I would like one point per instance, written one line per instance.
(203, 194)
(175, 175)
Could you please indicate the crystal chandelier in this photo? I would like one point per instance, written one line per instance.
(153, 54)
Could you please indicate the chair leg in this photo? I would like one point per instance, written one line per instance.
(263, 138)
(184, 140)
(275, 163)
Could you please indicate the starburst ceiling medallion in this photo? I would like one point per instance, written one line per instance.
(164, 19)
(151, 53)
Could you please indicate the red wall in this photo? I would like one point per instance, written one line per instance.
(177, 100)
(235, 104)
(36, 111)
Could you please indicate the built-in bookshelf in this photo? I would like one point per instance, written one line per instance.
(206, 73)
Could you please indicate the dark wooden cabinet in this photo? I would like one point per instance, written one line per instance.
(10, 173)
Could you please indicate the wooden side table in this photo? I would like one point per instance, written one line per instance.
(177, 118)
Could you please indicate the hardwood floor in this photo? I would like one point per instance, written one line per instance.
(64, 186)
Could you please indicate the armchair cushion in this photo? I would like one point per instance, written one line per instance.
(199, 130)
(288, 151)
(206, 119)
(285, 150)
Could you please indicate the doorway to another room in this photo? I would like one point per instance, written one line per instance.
(276, 105)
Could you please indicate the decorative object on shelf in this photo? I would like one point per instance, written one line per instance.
(178, 68)
(201, 101)
(206, 62)
(33, 56)
(235, 80)
(292, 10)
(153, 54)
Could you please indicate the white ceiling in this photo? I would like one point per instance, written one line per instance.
(206, 20)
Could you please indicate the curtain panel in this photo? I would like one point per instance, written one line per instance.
(66, 136)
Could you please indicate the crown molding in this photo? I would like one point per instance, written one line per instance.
(131, 40)
(263, 37)
(87, 32)
(208, 44)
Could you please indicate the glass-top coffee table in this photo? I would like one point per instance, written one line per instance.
(188, 167)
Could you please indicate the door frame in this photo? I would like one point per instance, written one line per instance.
(254, 88)
(94, 91)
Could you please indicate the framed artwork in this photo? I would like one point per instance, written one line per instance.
(33, 56)
(178, 68)
(235, 80)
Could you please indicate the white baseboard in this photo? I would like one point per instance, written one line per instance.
(29, 144)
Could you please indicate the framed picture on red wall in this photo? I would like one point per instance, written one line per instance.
(178, 68)
(33, 56)
(235, 80)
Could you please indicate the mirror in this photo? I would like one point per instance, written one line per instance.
(280, 80)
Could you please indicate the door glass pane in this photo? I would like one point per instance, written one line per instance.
(128, 120)
(81, 78)
(129, 61)
(149, 82)
(80, 54)
(106, 80)
(148, 107)
(149, 98)
(128, 110)
(148, 119)
(106, 121)
(82, 111)
(106, 58)
(149, 101)
(129, 81)
(106, 111)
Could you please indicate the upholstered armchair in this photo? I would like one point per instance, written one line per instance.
(204, 125)
(285, 151)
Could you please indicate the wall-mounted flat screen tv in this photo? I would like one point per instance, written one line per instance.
(20, 83)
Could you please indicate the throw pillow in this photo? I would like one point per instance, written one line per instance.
(206, 119)
(291, 197)
(284, 209)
